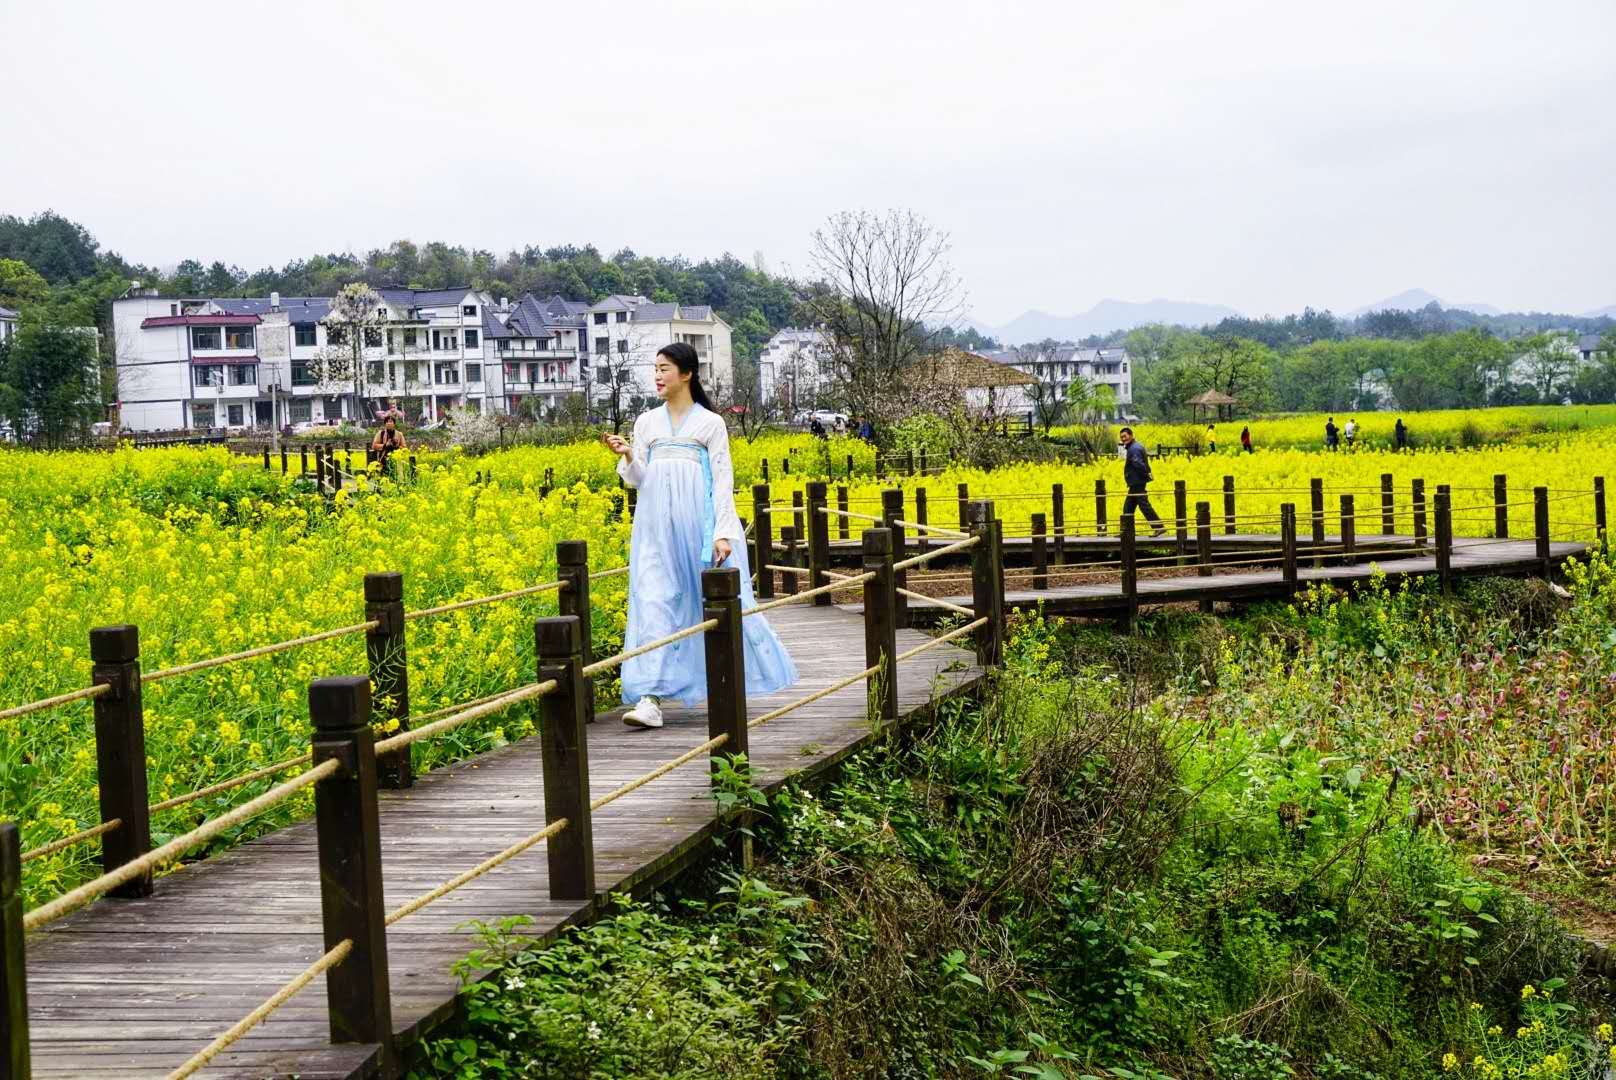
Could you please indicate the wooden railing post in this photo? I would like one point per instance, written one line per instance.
(319, 466)
(842, 519)
(1349, 530)
(891, 514)
(1601, 523)
(1040, 554)
(726, 687)
(1315, 495)
(765, 470)
(266, 459)
(1130, 572)
(987, 583)
(850, 466)
(389, 669)
(762, 540)
(1057, 511)
(881, 624)
(922, 537)
(563, 716)
(1416, 489)
(796, 516)
(14, 1054)
(1203, 547)
(120, 752)
(572, 567)
(785, 465)
(789, 583)
(1444, 539)
(1181, 521)
(284, 462)
(1287, 533)
(303, 458)
(964, 491)
(1228, 506)
(347, 824)
(1540, 521)
(1501, 506)
(1388, 506)
(1101, 526)
(922, 461)
(818, 541)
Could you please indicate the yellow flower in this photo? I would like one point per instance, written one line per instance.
(1495, 1030)
(1475, 1006)
(1450, 1061)
(1527, 991)
(1604, 1032)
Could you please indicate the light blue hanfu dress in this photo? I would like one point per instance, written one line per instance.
(686, 501)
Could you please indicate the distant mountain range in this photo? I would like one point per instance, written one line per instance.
(1102, 318)
(1415, 299)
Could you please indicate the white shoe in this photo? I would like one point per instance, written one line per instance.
(648, 713)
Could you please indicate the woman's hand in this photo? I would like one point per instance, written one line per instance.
(617, 444)
(721, 551)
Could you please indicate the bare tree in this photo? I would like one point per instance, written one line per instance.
(742, 401)
(615, 387)
(884, 290)
(353, 326)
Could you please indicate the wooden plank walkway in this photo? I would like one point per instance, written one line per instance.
(132, 988)
(1105, 598)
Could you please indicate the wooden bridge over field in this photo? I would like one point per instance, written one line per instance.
(325, 948)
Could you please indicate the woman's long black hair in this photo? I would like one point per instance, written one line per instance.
(684, 357)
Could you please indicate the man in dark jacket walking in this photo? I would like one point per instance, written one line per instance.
(1136, 474)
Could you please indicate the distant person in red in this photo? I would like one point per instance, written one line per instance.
(1245, 438)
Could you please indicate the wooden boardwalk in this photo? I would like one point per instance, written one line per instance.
(1236, 584)
(132, 988)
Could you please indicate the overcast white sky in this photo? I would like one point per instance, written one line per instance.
(1262, 155)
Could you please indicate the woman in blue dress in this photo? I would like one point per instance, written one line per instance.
(685, 522)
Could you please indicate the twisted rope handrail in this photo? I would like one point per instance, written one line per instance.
(70, 902)
(329, 960)
(921, 560)
(942, 639)
(459, 605)
(661, 770)
(851, 514)
(933, 529)
(652, 646)
(412, 906)
(773, 714)
(59, 699)
(68, 841)
(262, 650)
(484, 707)
(809, 594)
(901, 592)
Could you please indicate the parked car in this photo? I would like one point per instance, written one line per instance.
(313, 427)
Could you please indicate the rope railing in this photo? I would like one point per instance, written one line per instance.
(532, 839)
(262, 650)
(922, 559)
(660, 771)
(334, 956)
(933, 529)
(774, 714)
(851, 514)
(461, 605)
(68, 841)
(901, 591)
(485, 707)
(59, 699)
(70, 902)
(809, 594)
(652, 646)
(599, 574)
(942, 639)
(234, 782)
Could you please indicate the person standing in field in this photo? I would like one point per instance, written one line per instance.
(388, 439)
(679, 461)
(1400, 434)
(1352, 431)
(1136, 474)
(1211, 438)
(1332, 435)
(1245, 438)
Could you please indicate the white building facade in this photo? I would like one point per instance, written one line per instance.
(8, 323)
(1108, 367)
(624, 333)
(793, 369)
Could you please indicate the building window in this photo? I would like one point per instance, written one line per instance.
(622, 346)
(603, 376)
(208, 375)
(622, 316)
(603, 345)
(243, 374)
(373, 337)
(373, 371)
(201, 414)
(448, 374)
(409, 339)
(237, 415)
(336, 335)
(469, 309)
(304, 335)
(471, 339)
(533, 373)
(238, 337)
(600, 318)
(445, 341)
(300, 410)
(302, 376)
(474, 373)
(205, 337)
